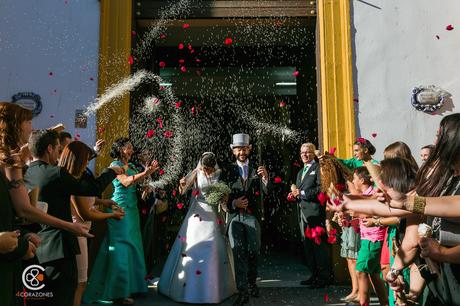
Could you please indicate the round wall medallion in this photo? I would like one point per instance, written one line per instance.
(428, 99)
(28, 100)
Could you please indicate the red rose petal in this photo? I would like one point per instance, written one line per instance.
(308, 233)
(219, 221)
(162, 88)
(374, 135)
(198, 272)
(228, 41)
(162, 36)
(296, 73)
(193, 109)
(162, 64)
(340, 187)
(336, 201)
(101, 130)
(326, 297)
(174, 193)
(181, 61)
(323, 198)
(168, 134)
(449, 27)
(282, 104)
(332, 150)
(197, 60)
(181, 46)
(180, 205)
(189, 46)
(331, 239)
(195, 192)
(183, 69)
(161, 172)
(178, 104)
(185, 26)
(133, 33)
(277, 179)
(160, 122)
(291, 198)
(333, 232)
(150, 133)
(130, 60)
(257, 193)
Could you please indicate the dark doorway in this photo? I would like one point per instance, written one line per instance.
(266, 74)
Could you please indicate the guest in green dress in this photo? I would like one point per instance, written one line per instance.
(363, 150)
(119, 269)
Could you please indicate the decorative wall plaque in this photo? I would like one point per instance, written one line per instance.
(28, 100)
(428, 99)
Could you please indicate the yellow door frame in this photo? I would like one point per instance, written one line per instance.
(336, 109)
(112, 120)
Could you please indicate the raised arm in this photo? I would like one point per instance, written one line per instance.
(448, 206)
(88, 213)
(24, 209)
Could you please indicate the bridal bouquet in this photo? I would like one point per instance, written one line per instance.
(217, 194)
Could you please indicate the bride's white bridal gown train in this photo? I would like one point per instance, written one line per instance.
(199, 266)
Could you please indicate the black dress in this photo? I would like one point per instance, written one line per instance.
(10, 263)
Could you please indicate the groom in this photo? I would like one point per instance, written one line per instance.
(247, 183)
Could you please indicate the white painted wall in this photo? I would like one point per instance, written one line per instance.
(395, 48)
(59, 36)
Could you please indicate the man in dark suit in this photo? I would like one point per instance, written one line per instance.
(59, 247)
(248, 184)
(311, 215)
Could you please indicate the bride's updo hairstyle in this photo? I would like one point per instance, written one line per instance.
(208, 159)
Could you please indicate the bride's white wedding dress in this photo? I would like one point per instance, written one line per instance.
(199, 266)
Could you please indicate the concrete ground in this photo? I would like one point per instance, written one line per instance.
(279, 285)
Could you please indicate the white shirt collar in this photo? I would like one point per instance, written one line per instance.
(240, 164)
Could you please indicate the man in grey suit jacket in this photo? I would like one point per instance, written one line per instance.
(312, 214)
(247, 182)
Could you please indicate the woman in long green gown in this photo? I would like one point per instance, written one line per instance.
(119, 269)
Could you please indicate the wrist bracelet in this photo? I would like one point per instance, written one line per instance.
(409, 203)
(419, 204)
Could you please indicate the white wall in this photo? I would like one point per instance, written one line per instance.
(58, 36)
(395, 49)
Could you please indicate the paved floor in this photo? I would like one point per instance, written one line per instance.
(279, 285)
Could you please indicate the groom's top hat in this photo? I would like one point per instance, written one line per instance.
(240, 140)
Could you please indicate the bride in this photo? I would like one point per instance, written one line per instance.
(199, 266)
